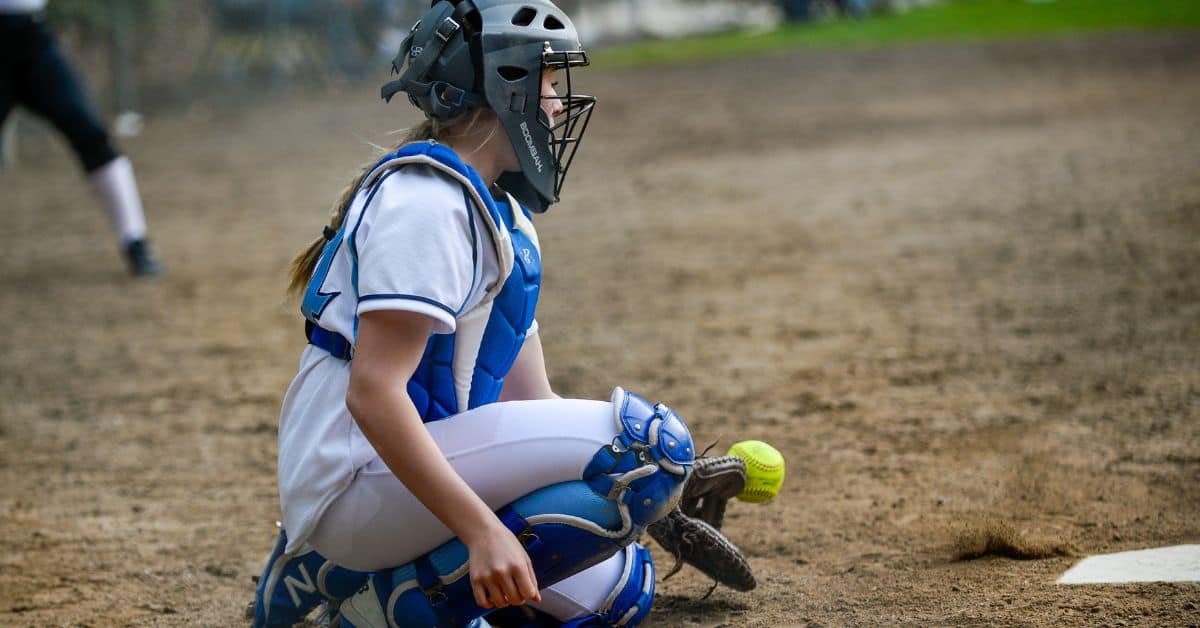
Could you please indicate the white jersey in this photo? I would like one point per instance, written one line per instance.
(412, 241)
(22, 6)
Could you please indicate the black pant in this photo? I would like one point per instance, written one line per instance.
(34, 73)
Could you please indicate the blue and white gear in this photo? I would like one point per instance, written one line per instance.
(465, 54)
(565, 527)
(449, 379)
(291, 586)
(618, 592)
(650, 437)
(460, 370)
(440, 386)
(630, 601)
(423, 234)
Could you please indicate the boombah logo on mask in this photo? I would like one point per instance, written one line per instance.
(537, 160)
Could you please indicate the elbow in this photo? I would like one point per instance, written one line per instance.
(361, 396)
(355, 402)
(372, 400)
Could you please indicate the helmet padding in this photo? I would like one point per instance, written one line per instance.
(464, 54)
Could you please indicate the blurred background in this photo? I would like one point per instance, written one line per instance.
(941, 254)
(143, 56)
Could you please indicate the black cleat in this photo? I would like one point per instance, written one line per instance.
(142, 262)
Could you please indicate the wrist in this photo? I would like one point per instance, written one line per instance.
(481, 529)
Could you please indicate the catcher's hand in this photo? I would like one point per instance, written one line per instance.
(714, 481)
(702, 546)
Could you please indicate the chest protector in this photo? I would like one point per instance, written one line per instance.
(466, 369)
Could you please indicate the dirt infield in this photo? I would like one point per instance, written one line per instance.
(956, 285)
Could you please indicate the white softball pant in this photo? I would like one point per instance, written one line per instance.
(503, 451)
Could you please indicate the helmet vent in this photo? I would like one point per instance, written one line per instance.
(512, 73)
(553, 24)
(524, 17)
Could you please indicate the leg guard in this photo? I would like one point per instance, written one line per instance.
(630, 600)
(292, 586)
(627, 604)
(565, 528)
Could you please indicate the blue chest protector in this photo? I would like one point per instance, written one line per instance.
(434, 387)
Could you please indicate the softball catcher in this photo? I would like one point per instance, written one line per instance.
(428, 474)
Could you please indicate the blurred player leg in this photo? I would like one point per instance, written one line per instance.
(116, 187)
(50, 88)
(11, 56)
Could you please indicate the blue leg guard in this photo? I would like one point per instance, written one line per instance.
(629, 603)
(292, 586)
(565, 528)
(626, 605)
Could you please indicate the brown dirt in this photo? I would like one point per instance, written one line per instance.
(953, 283)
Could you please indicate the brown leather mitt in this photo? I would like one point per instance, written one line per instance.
(702, 546)
(714, 481)
(691, 533)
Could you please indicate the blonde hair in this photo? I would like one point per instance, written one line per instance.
(305, 263)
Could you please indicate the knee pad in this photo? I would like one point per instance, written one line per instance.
(292, 586)
(630, 600)
(645, 467)
(565, 528)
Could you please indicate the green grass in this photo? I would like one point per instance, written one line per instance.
(956, 20)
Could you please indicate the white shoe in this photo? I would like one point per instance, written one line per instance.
(363, 610)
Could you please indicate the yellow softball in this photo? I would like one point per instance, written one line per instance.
(764, 470)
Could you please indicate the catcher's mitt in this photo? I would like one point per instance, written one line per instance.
(714, 481)
(691, 533)
(702, 546)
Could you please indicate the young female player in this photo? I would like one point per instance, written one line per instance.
(34, 73)
(428, 474)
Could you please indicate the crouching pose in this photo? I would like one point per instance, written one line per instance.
(428, 474)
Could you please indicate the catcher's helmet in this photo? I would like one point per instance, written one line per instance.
(464, 54)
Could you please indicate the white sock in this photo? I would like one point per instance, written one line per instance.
(117, 189)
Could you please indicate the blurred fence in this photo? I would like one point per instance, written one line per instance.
(141, 53)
